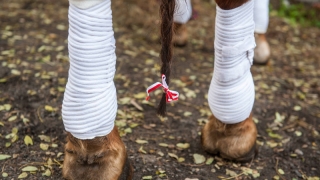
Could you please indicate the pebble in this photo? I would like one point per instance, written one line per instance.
(299, 152)
(298, 173)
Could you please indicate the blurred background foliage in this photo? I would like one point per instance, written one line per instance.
(302, 12)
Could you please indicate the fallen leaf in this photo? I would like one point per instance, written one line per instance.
(255, 120)
(30, 168)
(146, 177)
(48, 108)
(163, 144)
(198, 158)
(140, 141)
(44, 146)
(298, 133)
(183, 145)
(124, 100)
(4, 174)
(28, 140)
(47, 173)
(12, 118)
(272, 144)
(8, 144)
(61, 27)
(45, 138)
(128, 130)
(133, 125)
(281, 171)
(187, 114)
(276, 177)
(160, 153)
(173, 156)
(209, 161)
(231, 173)
(181, 159)
(7, 107)
(246, 170)
(142, 150)
(2, 80)
(255, 174)
(4, 156)
(54, 145)
(15, 72)
(297, 108)
(274, 135)
(141, 95)
(279, 118)
(23, 175)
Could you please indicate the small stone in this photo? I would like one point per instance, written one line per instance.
(298, 173)
(299, 152)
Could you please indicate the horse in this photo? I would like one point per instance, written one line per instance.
(94, 149)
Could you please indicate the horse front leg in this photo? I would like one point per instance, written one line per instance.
(231, 131)
(94, 149)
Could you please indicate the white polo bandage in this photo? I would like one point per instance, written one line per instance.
(261, 16)
(183, 11)
(85, 4)
(90, 103)
(231, 93)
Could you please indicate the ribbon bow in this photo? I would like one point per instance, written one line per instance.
(170, 95)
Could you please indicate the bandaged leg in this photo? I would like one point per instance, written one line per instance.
(94, 147)
(231, 93)
(183, 11)
(90, 102)
(182, 14)
(261, 19)
(230, 131)
(261, 16)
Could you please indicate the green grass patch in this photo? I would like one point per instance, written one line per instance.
(300, 14)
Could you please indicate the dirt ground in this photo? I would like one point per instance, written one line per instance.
(33, 74)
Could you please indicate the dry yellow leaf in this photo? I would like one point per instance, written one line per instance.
(44, 146)
(28, 140)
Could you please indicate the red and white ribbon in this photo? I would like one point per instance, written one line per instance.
(170, 95)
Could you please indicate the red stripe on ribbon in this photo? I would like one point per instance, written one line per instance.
(170, 95)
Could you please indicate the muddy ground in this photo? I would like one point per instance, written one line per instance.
(33, 74)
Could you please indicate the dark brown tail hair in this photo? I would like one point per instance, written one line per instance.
(167, 8)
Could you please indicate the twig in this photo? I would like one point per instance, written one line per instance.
(277, 169)
(234, 176)
(33, 163)
(4, 165)
(193, 165)
(38, 113)
(289, 126)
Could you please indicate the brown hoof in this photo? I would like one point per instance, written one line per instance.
(262, 50)
(101, 158)
(180, 37)
(235, 142)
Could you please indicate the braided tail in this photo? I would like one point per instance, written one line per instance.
(167, 8)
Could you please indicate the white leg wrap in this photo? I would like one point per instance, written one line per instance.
(183, 11)
(90, 103)
(261, 16)
(231, 93)
(85, 4)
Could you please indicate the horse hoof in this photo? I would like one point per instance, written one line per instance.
(101, 158)
(262, 50)
(180, 36)
(236, 142)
